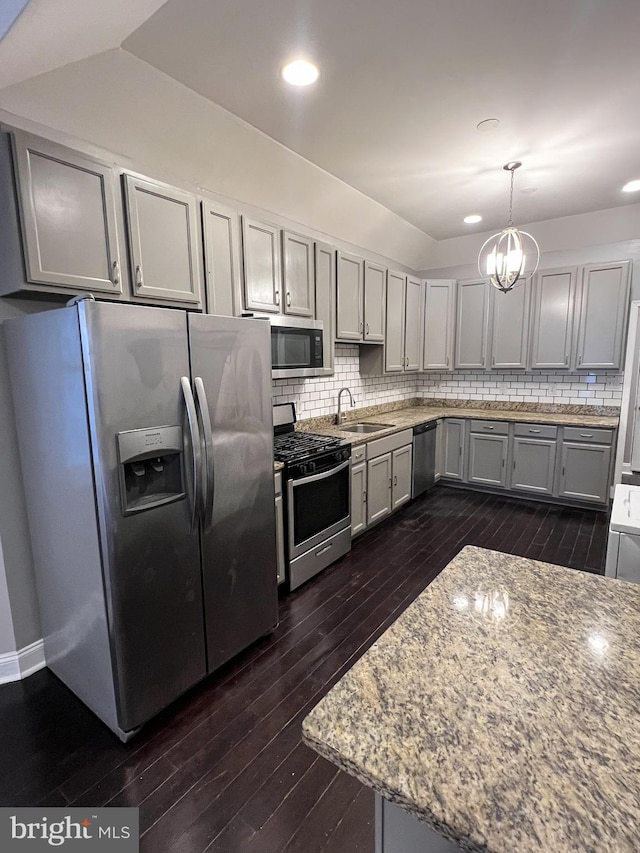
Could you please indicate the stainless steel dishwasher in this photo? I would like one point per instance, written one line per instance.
(424, 457)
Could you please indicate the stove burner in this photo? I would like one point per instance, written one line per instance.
(297, 445)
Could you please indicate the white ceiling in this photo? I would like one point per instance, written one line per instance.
(405, 82)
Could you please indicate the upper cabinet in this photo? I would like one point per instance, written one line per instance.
(439, 324)
(552, 321)
(69, 206)
(222, 259)
(394, 359)
(298, 273)
(374, 302)
(509, 327)
(164, 241)
(262, 267)
(325, 297)
(471, 325)
(349, 289)
(603, 307)
(413, 323)
(403, 329)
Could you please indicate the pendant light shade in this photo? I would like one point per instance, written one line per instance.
(510, 256)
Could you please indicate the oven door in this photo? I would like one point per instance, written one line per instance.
(318, 507)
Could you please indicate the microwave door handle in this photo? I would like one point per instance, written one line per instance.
(196, 452)
(314, 478)
(208, 469)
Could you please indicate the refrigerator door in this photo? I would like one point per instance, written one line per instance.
(232, 358)
(134, 358)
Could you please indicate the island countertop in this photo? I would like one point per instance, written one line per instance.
(502, 708)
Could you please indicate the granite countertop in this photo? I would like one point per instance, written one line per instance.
(407, 418)
(502, 708)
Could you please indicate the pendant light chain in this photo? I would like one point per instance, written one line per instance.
(511, 200)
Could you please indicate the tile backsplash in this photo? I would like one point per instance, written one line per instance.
(318, 396)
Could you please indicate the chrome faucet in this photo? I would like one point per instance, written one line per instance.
(340, 414)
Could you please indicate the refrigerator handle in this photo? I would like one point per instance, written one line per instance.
(209, 479)
(196, 451)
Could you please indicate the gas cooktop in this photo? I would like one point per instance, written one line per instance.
(292, 446)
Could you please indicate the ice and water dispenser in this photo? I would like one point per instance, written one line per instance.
(151, 467)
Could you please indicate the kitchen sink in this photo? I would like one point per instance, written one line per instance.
(364, 427)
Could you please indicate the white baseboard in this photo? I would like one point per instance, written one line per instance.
(15, 666)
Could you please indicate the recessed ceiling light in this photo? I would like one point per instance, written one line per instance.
(300, 73)
(631, 187)
(472, 219)
(488, 124)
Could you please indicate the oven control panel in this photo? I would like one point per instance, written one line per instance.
(320, 463)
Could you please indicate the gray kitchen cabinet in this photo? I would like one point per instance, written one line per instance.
(262, 266)
(585, 464)
(221, 234)
(439, 466)
(534, 464)
(280, 558)
(349, 297)
(472, 312)
(325, 299)
(509, 327)
(358, 497)
(379, 486)
(603, 309)
(394, 357)
(374, 302)
(298, 275)
(487, 458)
(401, 468)
(552, 318)
(70, 216)
(453, 449)
(413, 324)
(439, 324)
(164, 242)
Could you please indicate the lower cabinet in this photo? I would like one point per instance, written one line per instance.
(534, 462)
(280, 561)
(488, 459)
(381, 477)
(453, 449)
(585, 471)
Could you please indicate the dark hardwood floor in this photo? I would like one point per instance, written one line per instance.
(224, 768)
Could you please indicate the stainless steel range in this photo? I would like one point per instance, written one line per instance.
(317, 492)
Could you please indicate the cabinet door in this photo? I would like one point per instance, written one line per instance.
(374, 302)
(349, 286)
(585, 472)
(262, 270)
(378, 487)
(280, 561)
(453, 444)
(402, 470)
(413, 324)
(298, 275)
(471, 323)
(325, 276)
(510, 327)
(164, 241)
(488, 459)
(604, 304)
(394, 335)
(534, 463)
(69, 217)
(358, 498)
(439, 450)
(222, 259)
(439, 324)
(552, 307)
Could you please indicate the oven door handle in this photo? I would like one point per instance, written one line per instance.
(314, 478)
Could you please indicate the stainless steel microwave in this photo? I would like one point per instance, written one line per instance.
(296, 347)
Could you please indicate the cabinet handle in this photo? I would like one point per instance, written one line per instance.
(460, 451)
(288, 298)
(447, 361)
(514, 464)
(361, 328)
(579, 359)
(563, 470)
(566, 359)
(115, 273)
(395, 480)
(503, 461)
(493, 361)
(535, 430)
(277, 297)
(139, 279)
(488, 427)
(367, 328)
(389, 482)
(586, 435)
(364, 496)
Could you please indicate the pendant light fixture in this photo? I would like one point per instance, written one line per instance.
(512, 255)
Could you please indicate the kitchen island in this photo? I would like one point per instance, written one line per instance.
(501, 711)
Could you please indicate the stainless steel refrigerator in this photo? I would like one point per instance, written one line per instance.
(146, 444)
